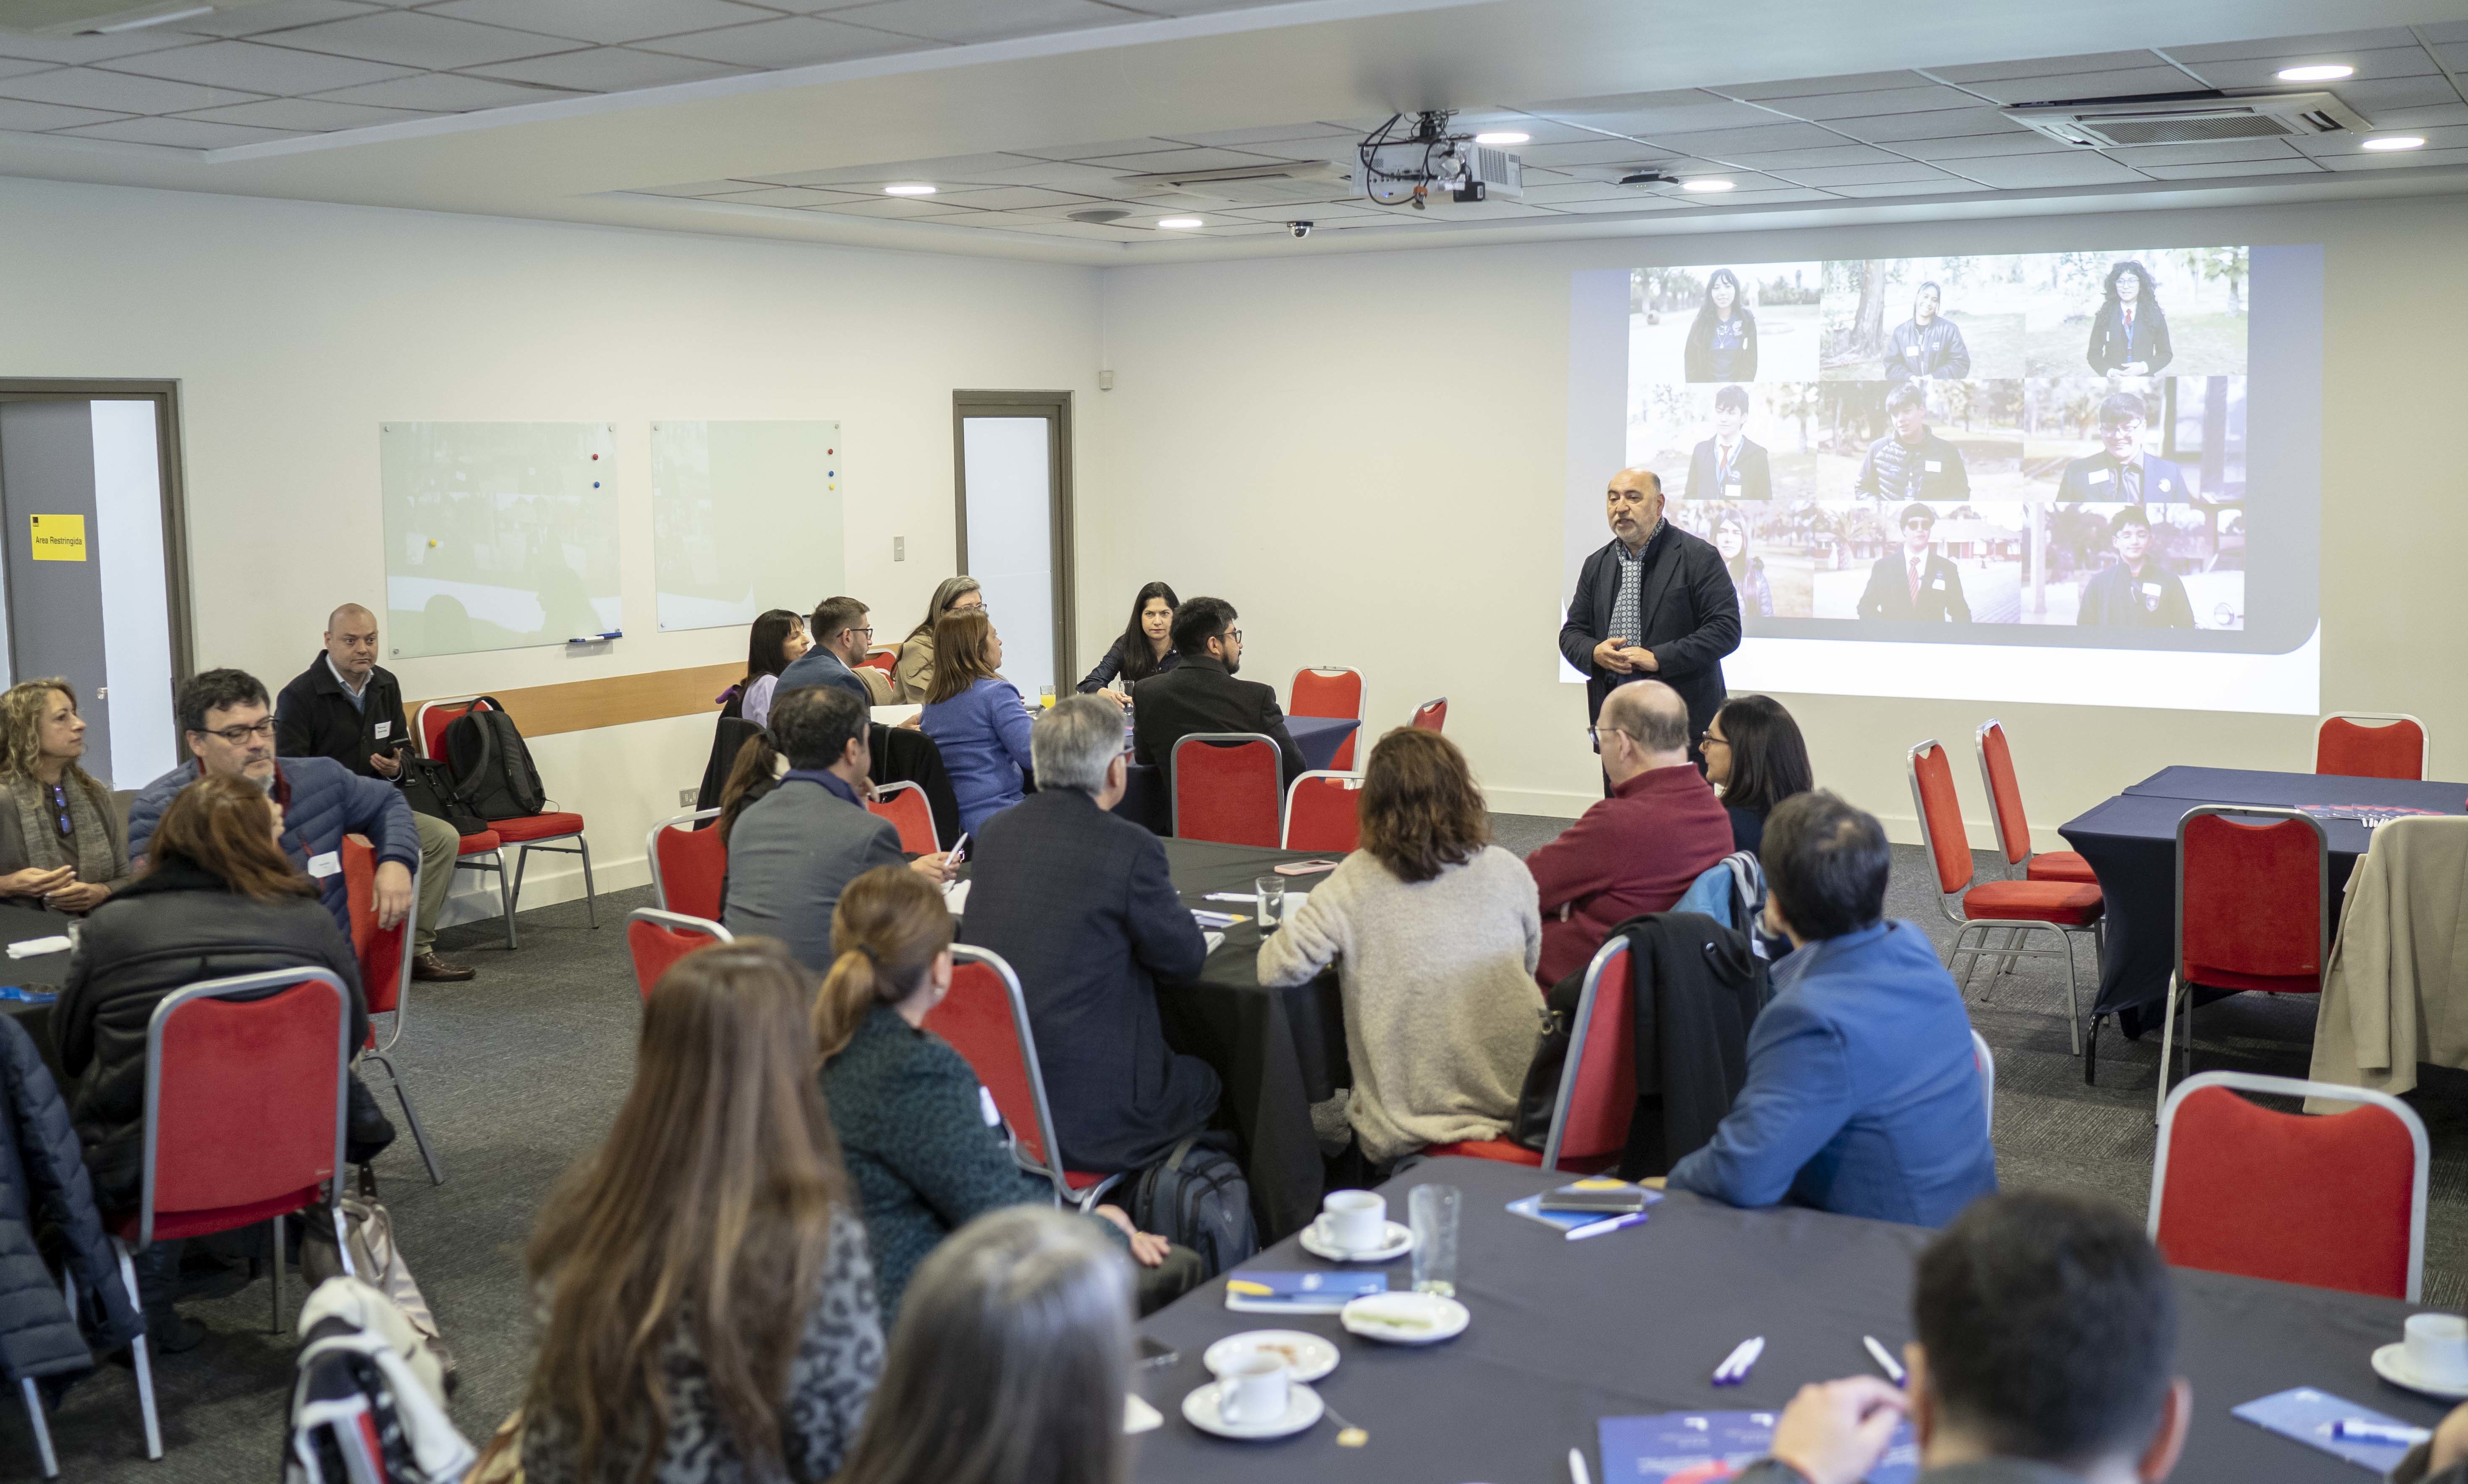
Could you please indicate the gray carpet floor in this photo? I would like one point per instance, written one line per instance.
(519, 1071)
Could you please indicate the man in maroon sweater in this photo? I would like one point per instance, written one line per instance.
(1639, 850)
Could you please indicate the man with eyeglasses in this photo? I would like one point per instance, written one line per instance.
(229, 729)
(840, 635)
(1202, 694)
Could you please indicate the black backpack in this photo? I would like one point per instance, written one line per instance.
(1197, 1198)
(492, 768)
(428, 787)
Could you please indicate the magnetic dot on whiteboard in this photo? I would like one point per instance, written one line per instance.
(595, 484)
(432, 542)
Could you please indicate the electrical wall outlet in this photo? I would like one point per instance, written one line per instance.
(686, 797)
(900, 548)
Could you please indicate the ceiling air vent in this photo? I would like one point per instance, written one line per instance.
(2204, 117)
(1269, 183)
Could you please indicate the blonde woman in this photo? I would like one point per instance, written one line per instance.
(62, 843)
(913, 675)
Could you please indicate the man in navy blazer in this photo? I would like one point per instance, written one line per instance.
(1861, 1096)
(1655, 603)
(1729, 465)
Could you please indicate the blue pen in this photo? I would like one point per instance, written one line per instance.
(1612, 1223)
(2352, 1430)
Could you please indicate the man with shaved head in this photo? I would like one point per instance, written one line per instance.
(348, 707)
(1638, 851)
(1657, 604)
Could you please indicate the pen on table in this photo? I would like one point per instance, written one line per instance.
(1577, 1468)
(1736, 1366)
(1609, 1223)
(1883, 1358)
(2358, 1430)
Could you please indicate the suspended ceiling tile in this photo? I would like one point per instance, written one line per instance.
(2442, 32)
(1811, 87)
(700, 188)
(251, 67)
(2452, 138)
(1949, 186)
(306, 115)
(776, 196)
(1009, 198)
(608, 69)
(789, 41)
(1583, 191)
(178, 133)
(415, 38)
(2411, 159)
(1811, 159)
(71, 51)
(1607, 152)
(2045, 66)
(2128, 82)
(446, 92)
(1702, 113)
(604, 21)
(2375, 94)
(972, 20)
(39, 118)
(2389, 61)
(1724, 143)
(1832, 176)
(2215, 152)
(1935, 124)
(281, 14)
(1267, 134)
(1154, 161)
(896, 206)
(2294, 46)
(116, 92)
(1632, 203)
(2031, 172)
(18, 66)
(1895, 102)
(1201, 7)
(2293, 164)
(1090, 151)
(2431, 116)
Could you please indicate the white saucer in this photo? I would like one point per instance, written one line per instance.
(1312, 1357)
(1400, 1241)
(1302, 1409)
(2390, 1363)
(1448, 1317)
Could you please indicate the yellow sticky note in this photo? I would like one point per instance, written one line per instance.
(58, 538)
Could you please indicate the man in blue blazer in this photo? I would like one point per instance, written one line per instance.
(1861, 1096)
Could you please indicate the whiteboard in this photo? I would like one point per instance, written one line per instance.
(744, 516)
(498, 536)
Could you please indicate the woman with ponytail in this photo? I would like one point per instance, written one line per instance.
(920, 1138)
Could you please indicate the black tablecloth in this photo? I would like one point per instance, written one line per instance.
(1566, 1333)
(1315, 738)
(2131, 842)
(19, 921)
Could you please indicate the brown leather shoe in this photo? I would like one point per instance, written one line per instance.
(428, 966)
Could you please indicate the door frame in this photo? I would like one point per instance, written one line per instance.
(1056, 408)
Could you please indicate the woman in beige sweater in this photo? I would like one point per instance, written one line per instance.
(913, 675)
(1435, 932)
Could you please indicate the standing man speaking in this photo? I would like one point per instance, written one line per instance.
(1655, 603)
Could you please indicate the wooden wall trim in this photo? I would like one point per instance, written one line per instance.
(613, 700)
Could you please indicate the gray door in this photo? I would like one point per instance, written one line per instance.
(56, 606)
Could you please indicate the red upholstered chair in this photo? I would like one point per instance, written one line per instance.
(688, 863)
(885, 660)
(2331, 1203)
(1597, 1083)
(2254, 911)
(2013, 829)
(385, 955)
(1328, 690)
(245, 1121)
(1225, 788)
(904, 805)
(985, 1018)
(1322, 813)
(525, 832)
(2394, 749)
(1432, 714)
(658, 939)
(2065, 908)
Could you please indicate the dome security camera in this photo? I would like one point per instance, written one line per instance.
(1299, 229)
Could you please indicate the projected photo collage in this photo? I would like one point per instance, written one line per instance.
(2047, 438)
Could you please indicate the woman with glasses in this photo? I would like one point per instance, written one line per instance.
(62, 841)
(1755, 757)
(913, 675)
(976, 717)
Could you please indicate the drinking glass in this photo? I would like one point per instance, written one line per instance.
(1432, 1209)
(1270, 891)
(1045, 697)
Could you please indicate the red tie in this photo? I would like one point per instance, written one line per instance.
(1915, 580)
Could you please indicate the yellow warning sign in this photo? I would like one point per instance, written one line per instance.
(59, 538)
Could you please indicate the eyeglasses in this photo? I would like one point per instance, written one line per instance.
(866, 630)
(1594, 735)
(1709, 739)
(1233, 636)
(236, 735)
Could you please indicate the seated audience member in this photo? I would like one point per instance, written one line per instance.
(348, 707)
(2046, 1329)
(1006, 1364)
(229, 733)
(1079, 902)
(751, 778)
(913, 1120)
(1145, 647)
(1862, 1095)
(793, 850)
(218, 898)
(708, 1310)
(1641, 849)
(776, 641)
(913, 673)
(840, 635)
(976, 717)
(1435, 936)
(1201, 693)
(1755, 755)
(61, 842)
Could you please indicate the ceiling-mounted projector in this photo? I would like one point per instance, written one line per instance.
(1403, 164)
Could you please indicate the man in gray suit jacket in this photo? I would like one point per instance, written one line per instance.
(2047, 1351)
(791, 853)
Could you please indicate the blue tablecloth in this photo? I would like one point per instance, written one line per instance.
(1315, 738)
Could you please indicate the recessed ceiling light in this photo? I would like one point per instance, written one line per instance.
(910, 188)
(1707, 183)
(1501, 138)
(2394, 142)
(2326, 72)
(1180, 223)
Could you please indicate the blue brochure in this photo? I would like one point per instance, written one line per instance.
(1300, 1292)
(1705, 1447)
(1531, 1207)
(2306, 1415)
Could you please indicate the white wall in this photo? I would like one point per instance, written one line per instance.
(295, 329)
(1366, 453)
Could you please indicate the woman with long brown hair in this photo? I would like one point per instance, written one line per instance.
(976, 717)
(709, 1308)
(61, 841)
(1436, 934)
(913, 673)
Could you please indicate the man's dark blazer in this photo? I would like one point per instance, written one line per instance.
(1889, 591)
(1756, 473)
(2163, 480)
(1199, 696)
(314, 717)
(1688, 608)
(1080, 903)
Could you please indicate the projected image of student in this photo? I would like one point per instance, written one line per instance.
(1729, 465)
(1928, 344)
(1911, 463)
(1722, 342)
(2128, 335)
(1914, 583)
(1748, 573)
(2139, 591)
(2121, 471)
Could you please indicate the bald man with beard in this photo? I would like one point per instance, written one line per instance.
(348, 707)
(1655, 603)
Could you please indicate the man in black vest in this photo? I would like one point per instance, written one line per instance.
(348, 707)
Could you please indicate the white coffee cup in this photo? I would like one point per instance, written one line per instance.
(1251, 1388)
(2437, 1349)
(1355, 1220)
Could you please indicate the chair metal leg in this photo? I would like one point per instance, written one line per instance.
(591, 893)
(2091, 1054)
(42, 1429)
(2073, 994)
(506, 899)
(137, 1354)
(522, 862)
(402, 1095)
(274, 1266)
(2167, 1042)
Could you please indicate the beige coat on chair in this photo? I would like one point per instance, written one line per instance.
(2397, 991)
